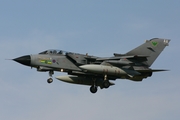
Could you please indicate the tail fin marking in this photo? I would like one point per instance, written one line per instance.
(151, 48)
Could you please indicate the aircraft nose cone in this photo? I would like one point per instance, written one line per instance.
(25, 60)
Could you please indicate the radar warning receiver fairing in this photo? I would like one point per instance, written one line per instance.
(97, 71)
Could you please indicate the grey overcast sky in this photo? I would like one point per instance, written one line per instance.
(97, 27)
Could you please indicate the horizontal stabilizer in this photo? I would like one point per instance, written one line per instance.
(152, 70)
(158, 70)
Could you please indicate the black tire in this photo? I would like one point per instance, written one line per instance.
(93, 89)
(50, 80)
(106, 84)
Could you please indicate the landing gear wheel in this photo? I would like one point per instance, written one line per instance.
(93, 89)
(106, 84)
(51, 73)
(50, 80)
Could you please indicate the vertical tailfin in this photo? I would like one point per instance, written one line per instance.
(151, 48)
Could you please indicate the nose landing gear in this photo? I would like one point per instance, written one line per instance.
(50, 80)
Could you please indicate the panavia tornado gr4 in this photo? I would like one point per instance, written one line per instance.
(98, 71)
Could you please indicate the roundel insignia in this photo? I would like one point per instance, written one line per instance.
(54, 61)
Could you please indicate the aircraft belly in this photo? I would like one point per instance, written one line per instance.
(76, 80)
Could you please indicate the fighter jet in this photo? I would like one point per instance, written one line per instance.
(96, 71)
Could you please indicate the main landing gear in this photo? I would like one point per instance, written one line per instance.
(50, 80)
(106, 83)
(93, 88)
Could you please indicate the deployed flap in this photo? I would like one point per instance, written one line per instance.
(139, 58)
(135, 56)
(117, 54)
(90, 57)
(109, 58)
(119, 62)
(123, 57)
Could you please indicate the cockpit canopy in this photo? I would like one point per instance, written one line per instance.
(53, 51)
